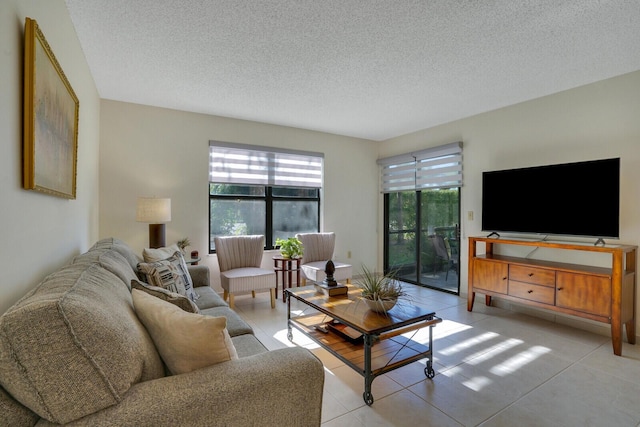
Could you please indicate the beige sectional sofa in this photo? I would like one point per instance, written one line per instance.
(73, 352)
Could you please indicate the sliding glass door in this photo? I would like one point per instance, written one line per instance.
(422, 237)
(401, 233)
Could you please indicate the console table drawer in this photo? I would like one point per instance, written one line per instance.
(543, 294)
(538, 276)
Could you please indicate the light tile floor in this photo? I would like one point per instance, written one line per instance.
(493, 368)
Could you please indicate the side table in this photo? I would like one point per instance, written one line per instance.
(287, 267)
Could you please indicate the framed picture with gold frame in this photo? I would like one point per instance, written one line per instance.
(50, 141)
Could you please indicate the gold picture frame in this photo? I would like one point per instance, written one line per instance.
(50, 141)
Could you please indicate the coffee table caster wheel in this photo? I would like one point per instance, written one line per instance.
(290, 336)
(428, 371)
(368, 398)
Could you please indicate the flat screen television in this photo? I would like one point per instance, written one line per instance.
(570, 199)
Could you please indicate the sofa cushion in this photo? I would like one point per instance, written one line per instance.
(13, 413)
(114, 262)
(209, 298)
(248, 345)
(158, 254)
(235, 324)
(165, 295)
(171, 274)
(122, 248)
(74, 345)
(186, 341)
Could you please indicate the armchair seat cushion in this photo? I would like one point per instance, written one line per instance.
(315, 271)
(248, 279)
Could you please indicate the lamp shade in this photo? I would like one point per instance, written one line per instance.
(153, 210)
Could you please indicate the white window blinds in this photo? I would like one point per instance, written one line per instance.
(247, 164)
(437, 167)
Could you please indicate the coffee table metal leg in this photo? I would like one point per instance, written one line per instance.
(289, 332)
(428, 370)
(368, 377)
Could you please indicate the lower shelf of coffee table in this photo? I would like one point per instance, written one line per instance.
(386, 354)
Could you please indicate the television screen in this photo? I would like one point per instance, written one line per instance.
(572, 199)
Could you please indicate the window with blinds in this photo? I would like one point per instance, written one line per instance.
(261, 190)
(422, 216)
(437, 167)
(245, 164)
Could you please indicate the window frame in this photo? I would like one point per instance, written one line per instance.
(265, 167)
(269, 199)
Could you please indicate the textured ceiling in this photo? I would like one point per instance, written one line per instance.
(369, 69)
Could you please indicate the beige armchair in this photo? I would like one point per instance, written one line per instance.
(318, 249)
(239, 258)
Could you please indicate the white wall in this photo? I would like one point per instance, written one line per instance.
(148, 151)
(41, 232)
(596, 121)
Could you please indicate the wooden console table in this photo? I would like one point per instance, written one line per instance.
(605, 295)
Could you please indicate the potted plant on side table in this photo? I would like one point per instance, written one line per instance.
(290, 248)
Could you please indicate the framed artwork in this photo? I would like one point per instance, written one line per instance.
(50, 141)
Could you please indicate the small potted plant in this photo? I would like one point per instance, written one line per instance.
(183, 243)
(290, 248)
(379, 291)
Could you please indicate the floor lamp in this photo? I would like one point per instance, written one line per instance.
(155, 212)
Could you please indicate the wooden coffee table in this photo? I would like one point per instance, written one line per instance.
(370, 343)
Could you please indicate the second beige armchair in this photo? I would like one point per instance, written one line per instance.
(239, 258)
(318, 249)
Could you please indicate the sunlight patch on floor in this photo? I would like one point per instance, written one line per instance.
(484, 355)
(452, 372)
(299, 338)
(466, 344)
(491, 352)
(477, 383)
(519, 361)
(502, 369)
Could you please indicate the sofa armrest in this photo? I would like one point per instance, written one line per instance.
(275, 388)
(200, 275)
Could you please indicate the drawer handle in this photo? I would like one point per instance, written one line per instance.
(504, 278)
(529, 291)
(530, 274)
(560, 289)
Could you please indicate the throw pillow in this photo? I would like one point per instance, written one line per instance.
(158, 254)
(185, 341)
(171, 274)
(166, 295)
